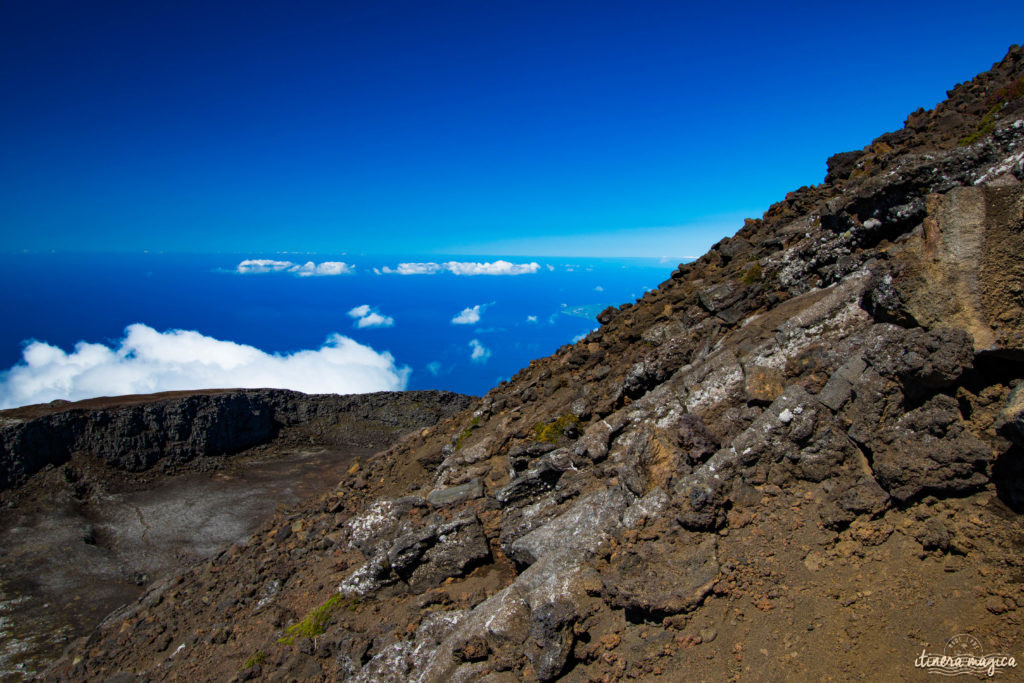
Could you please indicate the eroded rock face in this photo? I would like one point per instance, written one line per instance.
(811, 393)
(965, 273)
(173, 431)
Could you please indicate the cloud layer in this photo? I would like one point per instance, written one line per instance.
(367, 317)
(256, 266)
(146, 361)
(463, 268)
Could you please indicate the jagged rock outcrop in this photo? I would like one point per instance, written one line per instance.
(799, 457)
(135, 435)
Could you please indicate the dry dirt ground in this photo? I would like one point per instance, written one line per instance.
(81, 540)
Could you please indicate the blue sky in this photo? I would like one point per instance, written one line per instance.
(527, 128)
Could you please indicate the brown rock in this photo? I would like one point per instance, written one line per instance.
(661, 578)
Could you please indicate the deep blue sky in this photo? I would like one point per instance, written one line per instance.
(502, 127)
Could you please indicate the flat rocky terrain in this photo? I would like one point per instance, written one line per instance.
(801, 457)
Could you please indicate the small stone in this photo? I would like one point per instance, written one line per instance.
(474, 649)
(996, 605)
(953, 563)
(934, 536)
(814, 561)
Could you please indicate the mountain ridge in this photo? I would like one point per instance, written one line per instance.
(134, 433)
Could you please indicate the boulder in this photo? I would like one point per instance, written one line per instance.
(929, 450)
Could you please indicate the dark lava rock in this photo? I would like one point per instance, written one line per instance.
(841, 165)
(932, 359)
(929, 450)
(425, 557)
(845, 503)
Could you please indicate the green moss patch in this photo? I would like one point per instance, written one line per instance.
(552, 431)
(256, 660)
(466, 432)
(314, 624)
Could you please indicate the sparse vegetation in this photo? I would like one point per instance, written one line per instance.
(1007, 93)
(314, 624)
(466, 432)
(753, 274)
(996, 101)
(552, 431)
(985, 126)
(257, 659)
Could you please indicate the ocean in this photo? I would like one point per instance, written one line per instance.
(456, 323)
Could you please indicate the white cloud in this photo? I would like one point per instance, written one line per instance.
(261, 265)
(496, 268)
(146, 361)
(463, 268)
(468, 316)
(531, 318)
(251, 266)
(325, 268)
(375, 320)
(599, 288)
(360, 311)
(414, 269)
(480, 352)
(434, 368)
(367, 317)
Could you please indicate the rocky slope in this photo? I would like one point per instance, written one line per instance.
(799, 457)
(125, 490)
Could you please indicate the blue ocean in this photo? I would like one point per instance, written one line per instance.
(457, 323)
